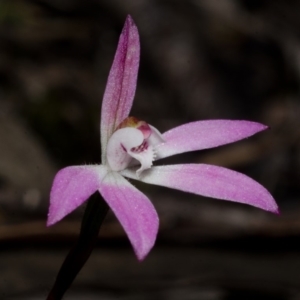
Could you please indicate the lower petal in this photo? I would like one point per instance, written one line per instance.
(134, 210)
(209, 181)
(71, 187)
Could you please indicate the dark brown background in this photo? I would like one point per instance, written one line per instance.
(201, 59)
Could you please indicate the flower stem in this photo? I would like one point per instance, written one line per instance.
(93, 217)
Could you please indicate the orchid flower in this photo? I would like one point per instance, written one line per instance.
(130, 146)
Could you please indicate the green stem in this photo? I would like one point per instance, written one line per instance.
(93, 217)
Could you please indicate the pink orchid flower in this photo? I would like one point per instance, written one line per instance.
(130, 146)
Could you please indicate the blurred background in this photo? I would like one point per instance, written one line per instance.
(200, 59)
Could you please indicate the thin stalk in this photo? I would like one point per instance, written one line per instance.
(93, 217)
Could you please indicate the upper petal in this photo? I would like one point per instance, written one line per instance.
(121, 83)
(205, 134)
(71, 187)
(209, 181)
(134, 210)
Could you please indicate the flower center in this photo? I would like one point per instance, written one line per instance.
(133, 142)
(138, 124)
(140, 148)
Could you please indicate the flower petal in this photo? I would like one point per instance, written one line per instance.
(205, 134)
(209, 181)
(71, 187)
(134, 210)
(121, 83)
(155, 138)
